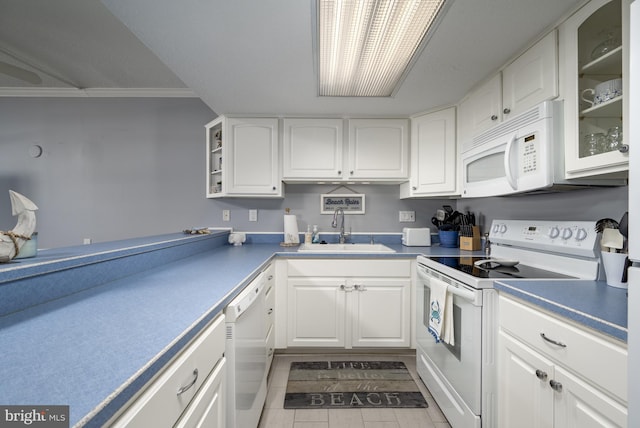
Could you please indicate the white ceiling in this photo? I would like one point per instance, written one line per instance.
(251, 56)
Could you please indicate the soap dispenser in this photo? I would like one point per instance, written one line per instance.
(315, 235)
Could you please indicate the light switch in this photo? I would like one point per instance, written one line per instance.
(226, 215)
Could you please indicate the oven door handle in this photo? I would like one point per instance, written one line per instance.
(458, 291)
(508, 166)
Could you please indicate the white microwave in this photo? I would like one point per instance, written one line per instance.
(519, 155)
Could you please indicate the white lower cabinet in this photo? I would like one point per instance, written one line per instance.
(362, 304)
(556, 375)
(190, 390)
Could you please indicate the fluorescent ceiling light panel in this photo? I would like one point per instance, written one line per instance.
(365, 46)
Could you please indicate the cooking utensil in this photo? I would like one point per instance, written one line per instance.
(497, 262)
(441, 215)
(613, 239)
(448, 209)
(606, 223)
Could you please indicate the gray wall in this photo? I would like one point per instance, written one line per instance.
(118, 168)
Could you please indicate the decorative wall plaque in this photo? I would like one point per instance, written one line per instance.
(352, 203)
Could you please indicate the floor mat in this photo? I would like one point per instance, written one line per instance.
(351, 384)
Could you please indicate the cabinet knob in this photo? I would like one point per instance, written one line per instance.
(351, 172)
(494, 117)
(274, 188)
(506, 111)
(541, 374)
(414, 188)
(555, 385)
(624, 148)
(339, 172)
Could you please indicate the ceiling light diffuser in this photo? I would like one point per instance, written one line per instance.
(366, 46)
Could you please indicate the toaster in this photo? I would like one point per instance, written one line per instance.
(416, 236)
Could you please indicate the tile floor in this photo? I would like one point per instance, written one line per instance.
(275, 416)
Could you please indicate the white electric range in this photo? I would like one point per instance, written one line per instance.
(461, 377)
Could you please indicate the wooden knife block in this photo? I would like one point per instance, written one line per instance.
(471, 243)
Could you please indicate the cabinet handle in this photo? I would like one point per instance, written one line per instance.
(506, 111)
(345, 288)
(270, 311)
(270, 277)
(414, 188)
(494, 117)
(554, 342)
(359, 287)
(541, 375)
(624, 148)
(193, 382)
(270, 353)
(555, 385)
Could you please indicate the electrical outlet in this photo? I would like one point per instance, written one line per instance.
(86, 241)
(253, 215)
(407, 216)
(226, 215)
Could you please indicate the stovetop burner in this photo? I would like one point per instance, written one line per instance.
(466, 265)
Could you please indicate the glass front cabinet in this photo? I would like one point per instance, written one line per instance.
(594, 55)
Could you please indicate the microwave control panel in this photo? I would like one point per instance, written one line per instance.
(529, 153)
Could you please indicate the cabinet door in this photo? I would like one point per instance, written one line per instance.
(214, 140)
(251, 153)
(312, 149)
(433, 154)
(525, 399)
(580, 405)
(208, 408)
(531, 78)
(481, 110)
(380, 314)
(316, 312)
(579, 36)
(378, 149)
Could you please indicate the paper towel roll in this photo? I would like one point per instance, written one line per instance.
(291, 235)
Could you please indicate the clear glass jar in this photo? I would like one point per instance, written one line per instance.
(593, 144)
(613, 140)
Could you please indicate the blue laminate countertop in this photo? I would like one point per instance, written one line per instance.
(94, 347)
(590, 303)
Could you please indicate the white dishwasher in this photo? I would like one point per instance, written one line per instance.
(246, 355)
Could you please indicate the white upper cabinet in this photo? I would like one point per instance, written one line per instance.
(531, 78)
(376, 150)
(312, 148)
(433, 155)
(525, 82)
(593, 49)
(243, 158)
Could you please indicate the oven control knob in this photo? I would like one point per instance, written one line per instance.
(503, 228)
(554, 232)
(581, 234)
(566, 233)
(496, 228)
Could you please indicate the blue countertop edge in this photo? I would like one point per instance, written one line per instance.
(593, 304)
(187, 252)
(211, 254)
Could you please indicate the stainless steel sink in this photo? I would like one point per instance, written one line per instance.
(345, 248)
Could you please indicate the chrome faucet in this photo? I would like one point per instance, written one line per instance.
(334, 224)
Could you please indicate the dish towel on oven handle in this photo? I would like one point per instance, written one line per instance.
(441, 312)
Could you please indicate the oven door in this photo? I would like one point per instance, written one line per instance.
(458, 367)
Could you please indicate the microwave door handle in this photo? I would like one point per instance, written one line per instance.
(507, 163)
